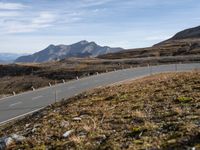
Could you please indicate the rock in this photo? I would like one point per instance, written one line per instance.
(18, 138)
(5, 142)
(77, 119)
(2, 144)
(68, 133)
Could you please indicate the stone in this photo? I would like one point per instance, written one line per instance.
(68, 133)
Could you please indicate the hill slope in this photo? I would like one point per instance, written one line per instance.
(188, 34)
(80, 49)
(158, 112)
(184, 43)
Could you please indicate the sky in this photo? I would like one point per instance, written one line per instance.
(27, 26)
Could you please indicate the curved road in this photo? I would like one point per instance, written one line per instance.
(22, 104)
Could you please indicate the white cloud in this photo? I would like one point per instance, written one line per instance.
(45, 19)
(11, 6)
(9, 14)
(91, 3)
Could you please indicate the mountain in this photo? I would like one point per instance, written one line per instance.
(9, 57)
(184, 43)
(57, 52)
(188, 33)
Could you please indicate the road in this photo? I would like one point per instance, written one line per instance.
(16, 106)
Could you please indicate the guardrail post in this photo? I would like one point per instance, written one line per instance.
(33, 88)
(14, 93)
(63, 81)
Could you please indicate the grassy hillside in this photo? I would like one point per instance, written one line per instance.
(157, 112)
(183, 47)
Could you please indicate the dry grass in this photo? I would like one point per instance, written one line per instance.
(142, 114)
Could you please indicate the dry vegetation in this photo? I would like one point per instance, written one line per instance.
(157, 112)
(168, 48)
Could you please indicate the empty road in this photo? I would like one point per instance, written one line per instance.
(19, 105)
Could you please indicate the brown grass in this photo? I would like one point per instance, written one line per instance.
(142, 114)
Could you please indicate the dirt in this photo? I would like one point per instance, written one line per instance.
(157, 112)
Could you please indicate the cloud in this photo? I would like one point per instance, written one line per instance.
(44, 20)
(92, 3)
(9, 14)
(11, 6)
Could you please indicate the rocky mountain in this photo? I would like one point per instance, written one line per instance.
(184, 43)
(57, 52)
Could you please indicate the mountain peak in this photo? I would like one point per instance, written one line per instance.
(51, 46)
(80, 49)
(83, 42)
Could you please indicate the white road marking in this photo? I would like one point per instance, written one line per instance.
(14, 104)
(37, 97)
(6, 121)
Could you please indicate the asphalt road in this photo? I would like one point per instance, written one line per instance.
(22, 104)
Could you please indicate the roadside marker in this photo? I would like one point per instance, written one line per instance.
(77, 78)
(33, 88)
(49, 84)
(14, 93)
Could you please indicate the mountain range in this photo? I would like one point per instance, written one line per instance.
(9, 57)
(57, 52)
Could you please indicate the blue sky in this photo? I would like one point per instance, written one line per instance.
(27, 26)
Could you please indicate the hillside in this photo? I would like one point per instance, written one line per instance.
(56, 52)
(157, 112)
(184, 43)
(191, 33)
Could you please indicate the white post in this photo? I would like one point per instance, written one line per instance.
(49, 84)
(77, 78)
(97, 73)
(63, 81)
(33, 88)
(14, 93)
